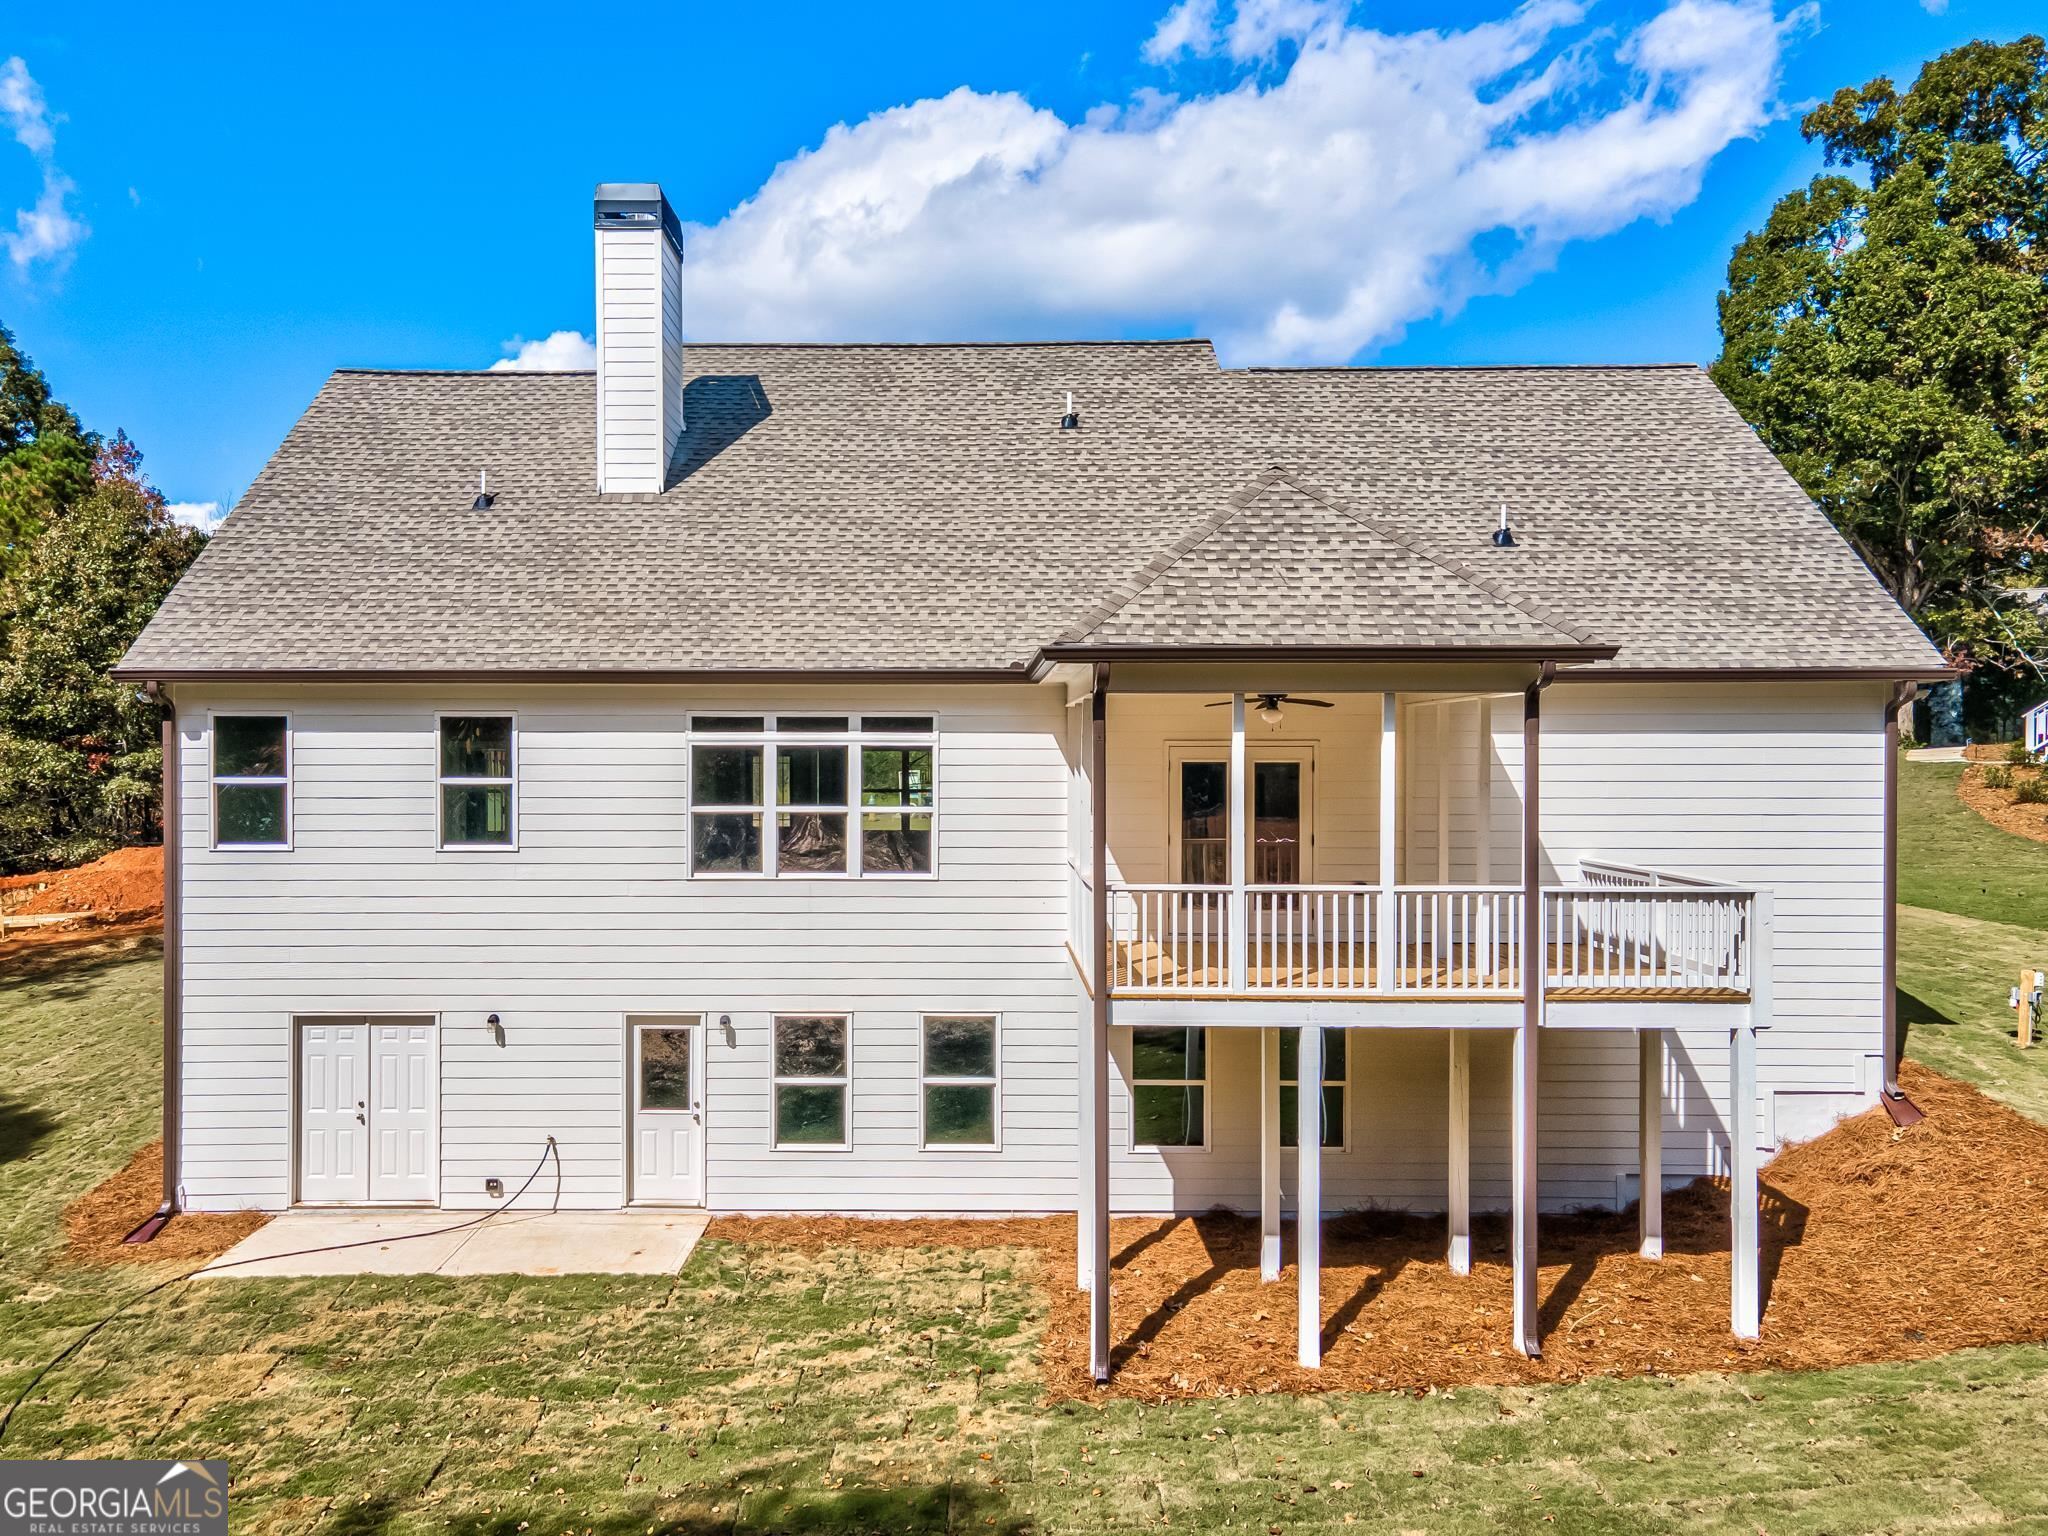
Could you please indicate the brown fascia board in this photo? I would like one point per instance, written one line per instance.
(1011, 674)
(1740, 674)
(1566, 654)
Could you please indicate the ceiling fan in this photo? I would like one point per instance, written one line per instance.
(1267, 706)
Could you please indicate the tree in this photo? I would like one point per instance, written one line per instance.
(1887, 335)
(46, 457)
(80, 758)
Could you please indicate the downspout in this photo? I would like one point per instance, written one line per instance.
(1528, 1338)
(1903, 1110)
(173, 981)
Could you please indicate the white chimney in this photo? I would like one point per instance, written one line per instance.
(639, 336)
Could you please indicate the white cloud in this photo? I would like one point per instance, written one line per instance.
(1305, 213)
(49, 229)
(203, 515)
(1934, 7)
(559, 351)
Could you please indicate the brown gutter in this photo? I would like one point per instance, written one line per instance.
(1564, 654)
(1756, 675)
(578, 675)
(173, 980)
(1903, 1110)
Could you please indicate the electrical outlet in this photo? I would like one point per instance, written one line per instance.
(495, 1188)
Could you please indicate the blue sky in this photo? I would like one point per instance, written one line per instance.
(231, 208)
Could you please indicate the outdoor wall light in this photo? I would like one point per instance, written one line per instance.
(497, 1029)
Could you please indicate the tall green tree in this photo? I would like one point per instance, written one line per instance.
(80, 758)
(1886, 332)
(46, 457)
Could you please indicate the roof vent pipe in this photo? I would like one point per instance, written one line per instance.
(1072, 419)
(484, 498)
(1503, 536)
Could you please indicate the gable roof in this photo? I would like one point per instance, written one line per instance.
(864, 508)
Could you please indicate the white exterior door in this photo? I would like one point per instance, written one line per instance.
(667, 1110)
(334, 1111)
(367, 1111)
(402, 1110)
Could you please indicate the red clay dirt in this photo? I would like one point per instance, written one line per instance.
(122, 893)
(1879, 1244)
(97, 1221)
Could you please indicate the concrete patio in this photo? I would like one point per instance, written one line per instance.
(409, 1242)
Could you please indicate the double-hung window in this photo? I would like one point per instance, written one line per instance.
(1333, 1087)
(478, 777)
(959, 1079)
(810, 1078)
(251, 781)
(812, 795)
(1169, 1087)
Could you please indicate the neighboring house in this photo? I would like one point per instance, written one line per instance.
(962, 779)
(2034, 728)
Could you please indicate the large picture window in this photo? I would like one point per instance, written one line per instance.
(1169, 1087)
(477, 777)
(810, 1081)
(812, 795)
(251, 781)
(959, 1081)
(1333, 1087)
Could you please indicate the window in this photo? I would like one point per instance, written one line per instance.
(1169, 1087)
(476, 781)
(665, 1068)
(787, 794)
(251, 781)
(959, 1082)
(810, 1080)
(1333, 1087)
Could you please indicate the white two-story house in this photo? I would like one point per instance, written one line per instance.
(997, 778)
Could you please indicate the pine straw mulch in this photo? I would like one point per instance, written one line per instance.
(1879, 1244)
(1998, 807)
(97, 1220)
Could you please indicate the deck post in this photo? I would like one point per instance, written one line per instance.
(1535, 970)
(1269, 1154)
(1650, 1142)
(1308, 1215)
(1098, 1032)
(1237, 924)
(1745, 1301)
(1442, 738)
(1390, 962)
(1458, 1199)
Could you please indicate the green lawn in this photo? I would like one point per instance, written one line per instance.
(1953, 860)
(766, 1391)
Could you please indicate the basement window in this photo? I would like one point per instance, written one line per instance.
(1169, 1087)
(813, 796)
(251, 781)
(810, 1078)
(1334, 1077)
(959, 1077)
(478, 755)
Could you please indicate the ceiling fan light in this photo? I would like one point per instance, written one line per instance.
(1270, 714)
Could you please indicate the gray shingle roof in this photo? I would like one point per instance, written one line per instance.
(863, 507)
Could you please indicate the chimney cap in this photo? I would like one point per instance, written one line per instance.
(636, 204)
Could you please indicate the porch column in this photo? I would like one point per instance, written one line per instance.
(1236, 925)
(1482, 845)
(1269, 1154)
(1535, 968)
(1308, 1215)
(1650, 1142)
(1098, 1031)
(1745, 1302)
(1390, 962)
(1458, 1201)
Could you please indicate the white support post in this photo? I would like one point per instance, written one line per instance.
(1269, 1154)
(1308, 1216)
(1390, 962)
(1442, 738)
(1650, 1142)
(1458, 1200)
(1482, 772)
(1528, 1340)
(1239, 791)
(1745, 1302)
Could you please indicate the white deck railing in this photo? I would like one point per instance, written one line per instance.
(1622, 929)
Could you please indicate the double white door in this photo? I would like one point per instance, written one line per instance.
(367, 1111)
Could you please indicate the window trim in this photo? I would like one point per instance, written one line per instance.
(770, 738)
(442, 780)
(215, 780)
(776, 1082)
(993, 1082)
(1206, 1083)
(1343, 1141)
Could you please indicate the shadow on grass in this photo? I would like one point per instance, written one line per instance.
(22, 1125)
(1913, 1010)
(929, 1507)
(57, 970)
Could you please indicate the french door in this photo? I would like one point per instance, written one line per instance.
(1280, 811)
(368, 1111)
